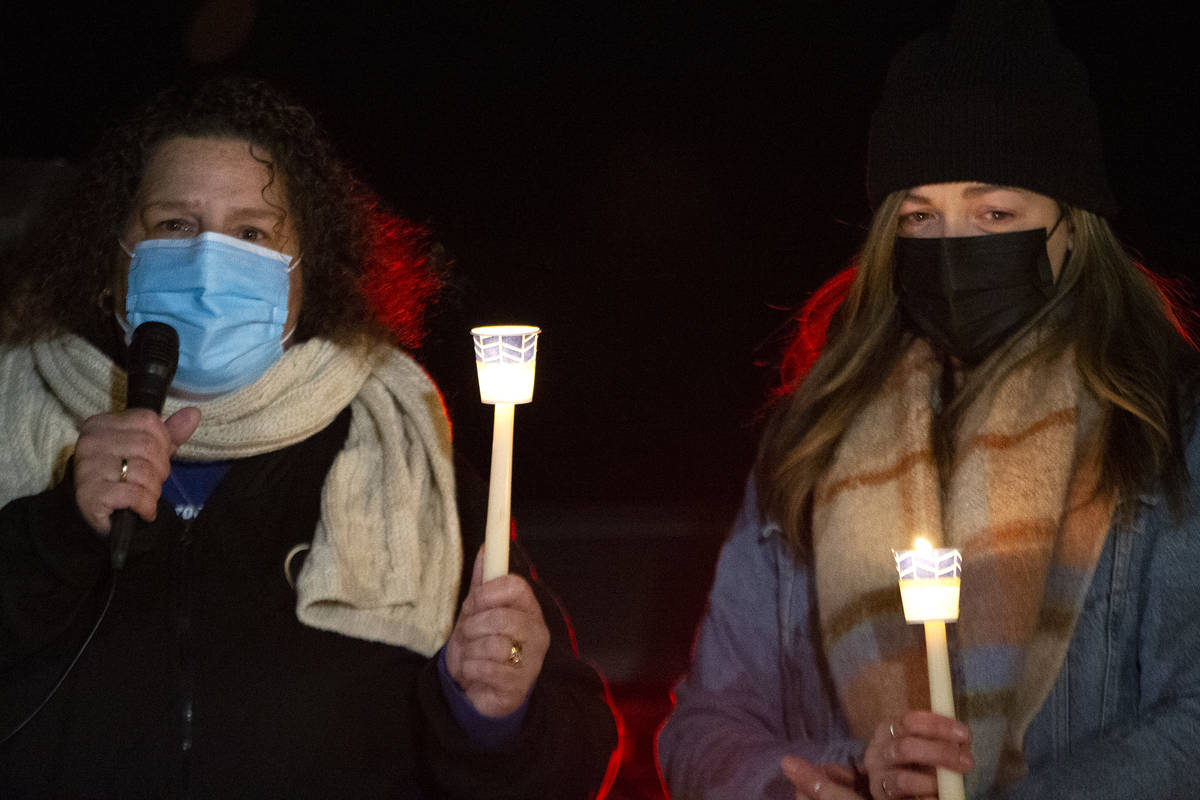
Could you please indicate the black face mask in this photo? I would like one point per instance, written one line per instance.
(968, 294)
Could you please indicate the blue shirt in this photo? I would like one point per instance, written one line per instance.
(191, 483)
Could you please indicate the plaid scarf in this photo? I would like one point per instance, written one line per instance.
(1019, 503)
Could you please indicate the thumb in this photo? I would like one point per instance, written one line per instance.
(794, 769)
(477, 570)
(181, 425)
(468, 606)
(804, 776)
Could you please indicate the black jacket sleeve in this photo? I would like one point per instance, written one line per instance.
(51, 563)
(54, 578)
(567, 747)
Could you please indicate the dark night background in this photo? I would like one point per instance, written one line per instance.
(655, 185)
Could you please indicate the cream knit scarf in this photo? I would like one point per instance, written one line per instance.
(386, 555)
(1020, 505)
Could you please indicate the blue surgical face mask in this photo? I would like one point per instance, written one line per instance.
(226, 298)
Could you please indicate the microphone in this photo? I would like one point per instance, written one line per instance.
(153, 356)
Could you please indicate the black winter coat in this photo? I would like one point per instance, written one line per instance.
(200, 681)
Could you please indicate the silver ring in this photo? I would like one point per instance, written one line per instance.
(124, 471)
(892, 729)
(887, 790)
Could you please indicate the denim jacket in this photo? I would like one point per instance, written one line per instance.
(1122, 720)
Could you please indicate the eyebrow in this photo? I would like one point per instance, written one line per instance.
(251, 212)
(972, 191)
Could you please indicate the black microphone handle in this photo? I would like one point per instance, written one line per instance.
(153, 356)
(122, 521)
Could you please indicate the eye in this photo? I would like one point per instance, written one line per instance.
(914, 219)
(174, 228)
(250, 234)
(996, 215)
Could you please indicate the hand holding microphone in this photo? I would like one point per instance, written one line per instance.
(122, 459)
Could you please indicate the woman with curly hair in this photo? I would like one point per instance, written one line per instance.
(998, 377)
(296, 613)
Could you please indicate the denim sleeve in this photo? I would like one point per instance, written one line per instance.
(1149, 751)
(732, 723)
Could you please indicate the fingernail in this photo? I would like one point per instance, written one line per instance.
(962, 733)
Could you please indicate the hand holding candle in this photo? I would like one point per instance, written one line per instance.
(929, 588)
(505, 359)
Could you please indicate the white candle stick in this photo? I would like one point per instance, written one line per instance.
(495, 551)
(929, 589)
(505, 360)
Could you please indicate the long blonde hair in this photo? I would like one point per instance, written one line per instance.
(1132, 350)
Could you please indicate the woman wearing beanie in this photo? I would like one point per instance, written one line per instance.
(998, 376)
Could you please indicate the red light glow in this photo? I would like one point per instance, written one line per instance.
(400, 280)
(812, 321)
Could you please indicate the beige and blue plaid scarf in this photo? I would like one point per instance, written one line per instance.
(1020, 503)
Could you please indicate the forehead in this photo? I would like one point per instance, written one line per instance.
(208, 170)
(968, 190)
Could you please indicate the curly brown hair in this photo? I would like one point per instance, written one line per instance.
(367, 272)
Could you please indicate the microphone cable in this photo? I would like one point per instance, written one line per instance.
(112, 586)
(153, 357)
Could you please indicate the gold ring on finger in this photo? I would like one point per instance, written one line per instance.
(124, 471)
(514, 652)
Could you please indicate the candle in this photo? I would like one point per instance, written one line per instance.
(929, 587)
(505, 359)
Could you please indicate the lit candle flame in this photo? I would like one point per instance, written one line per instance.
(921, 543)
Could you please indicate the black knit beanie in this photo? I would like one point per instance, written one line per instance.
(995, 98)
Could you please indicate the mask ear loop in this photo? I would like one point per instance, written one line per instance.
(1062, 214)
(109, 304)
(288, 334)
